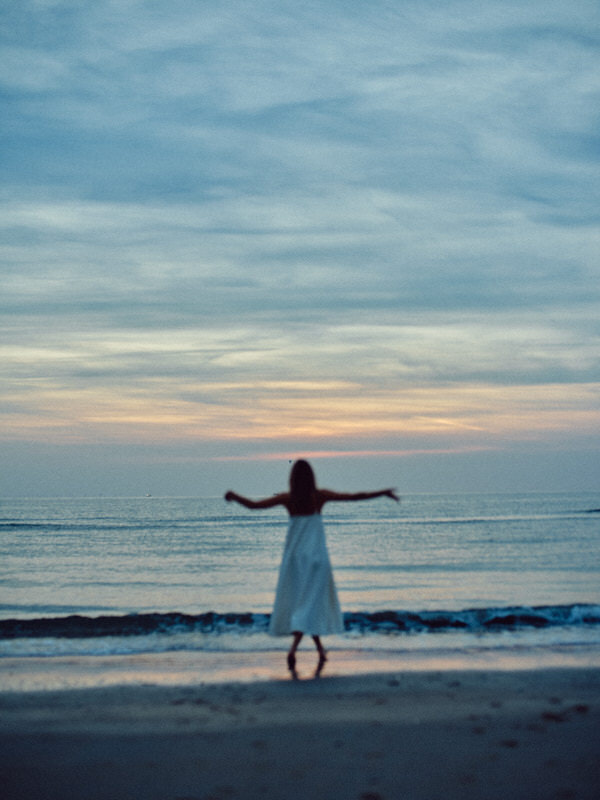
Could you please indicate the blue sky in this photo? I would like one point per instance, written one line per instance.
(234, 233)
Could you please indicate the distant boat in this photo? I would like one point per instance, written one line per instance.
(148, 494)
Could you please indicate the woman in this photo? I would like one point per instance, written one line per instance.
(306, 599)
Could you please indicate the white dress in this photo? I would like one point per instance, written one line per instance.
(306, 598)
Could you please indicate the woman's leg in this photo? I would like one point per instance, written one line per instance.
(291, 658)
(320, 648)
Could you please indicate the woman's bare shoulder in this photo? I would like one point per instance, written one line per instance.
(281, 499)
(324, 495)
(329, 494)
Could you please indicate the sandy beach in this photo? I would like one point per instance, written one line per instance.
(531, 734)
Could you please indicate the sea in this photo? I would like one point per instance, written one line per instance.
(102, 590)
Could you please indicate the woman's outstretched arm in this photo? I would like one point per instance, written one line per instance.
(268, 502)
(327, 495)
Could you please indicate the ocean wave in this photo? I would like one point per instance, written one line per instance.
(118, 524)
(76, 626)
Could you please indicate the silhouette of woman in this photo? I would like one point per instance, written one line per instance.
(306, 599)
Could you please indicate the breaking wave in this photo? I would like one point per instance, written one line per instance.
(476, 620)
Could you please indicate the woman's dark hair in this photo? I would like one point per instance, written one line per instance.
(303, 488)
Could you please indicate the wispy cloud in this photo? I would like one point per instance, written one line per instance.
(225, 221)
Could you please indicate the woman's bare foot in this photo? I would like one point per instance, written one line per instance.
(291, 662)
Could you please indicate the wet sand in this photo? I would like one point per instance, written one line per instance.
(416, 735)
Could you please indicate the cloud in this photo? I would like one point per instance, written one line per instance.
(210, 206)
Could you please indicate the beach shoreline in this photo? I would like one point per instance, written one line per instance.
(346, 659)
(527, 733)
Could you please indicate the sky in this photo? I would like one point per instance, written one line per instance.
(234, 234)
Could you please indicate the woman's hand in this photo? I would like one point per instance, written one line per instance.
(391, 493)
